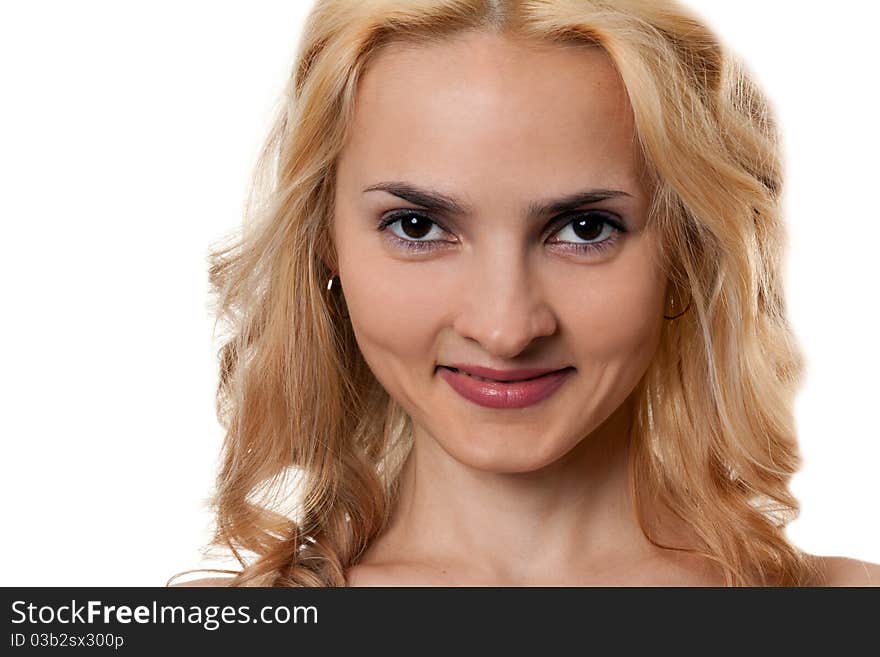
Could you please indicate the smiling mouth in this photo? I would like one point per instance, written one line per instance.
(481, 378)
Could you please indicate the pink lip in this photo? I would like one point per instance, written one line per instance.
(502, 375)
(497, 394)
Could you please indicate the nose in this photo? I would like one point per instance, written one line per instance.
(504, 308)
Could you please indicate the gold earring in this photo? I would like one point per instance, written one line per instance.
(334, 305)
(672, 306)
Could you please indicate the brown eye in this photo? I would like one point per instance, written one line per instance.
(590, 232)
(415, 226)
(588, 228)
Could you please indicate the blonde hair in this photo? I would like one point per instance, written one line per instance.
(715, 436)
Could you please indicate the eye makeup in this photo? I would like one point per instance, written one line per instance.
(611, 231)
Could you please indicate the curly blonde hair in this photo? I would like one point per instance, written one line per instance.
(314, 444)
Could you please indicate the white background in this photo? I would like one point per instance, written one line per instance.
(127, 135)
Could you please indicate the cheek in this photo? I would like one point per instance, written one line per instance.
(618, 319)
(395, 318)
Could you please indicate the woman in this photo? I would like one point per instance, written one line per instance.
(509, 310)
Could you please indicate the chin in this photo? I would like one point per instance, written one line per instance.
(514, 453)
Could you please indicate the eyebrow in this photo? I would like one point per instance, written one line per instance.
(431, 200)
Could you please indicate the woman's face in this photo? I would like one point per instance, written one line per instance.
(495, 276)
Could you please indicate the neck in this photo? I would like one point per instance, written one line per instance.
(572, 516)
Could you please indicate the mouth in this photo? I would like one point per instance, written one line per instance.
(510, 394)
(482, 378)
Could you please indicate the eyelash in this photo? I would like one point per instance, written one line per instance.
(422, 246)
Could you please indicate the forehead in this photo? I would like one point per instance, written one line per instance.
(483, 108)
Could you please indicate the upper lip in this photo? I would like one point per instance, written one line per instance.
(503, 375)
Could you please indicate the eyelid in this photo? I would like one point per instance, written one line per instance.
(396, 215)
(567, 217)
(556, 225)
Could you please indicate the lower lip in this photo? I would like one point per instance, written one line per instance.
(497, 394)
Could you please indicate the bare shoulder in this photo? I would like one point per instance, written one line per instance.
(205, 582)
(844, 571)
(362, 575)
(391, 575)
